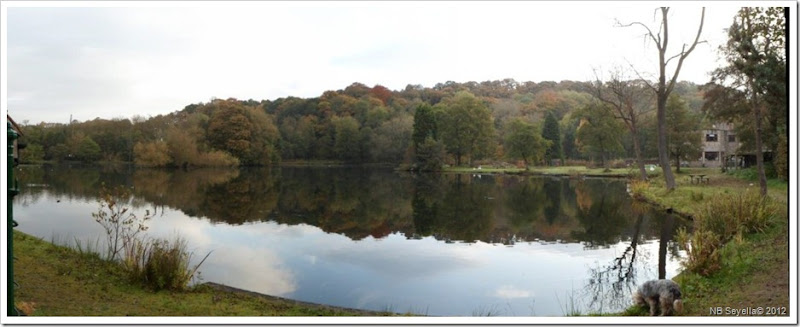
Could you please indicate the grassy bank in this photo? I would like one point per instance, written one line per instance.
(754, 267)
(554, 171)
(691, 198)
(58, 281)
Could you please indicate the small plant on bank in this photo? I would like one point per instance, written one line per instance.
(121, 226)
(638, 188)
(161, 264)
(702, 251)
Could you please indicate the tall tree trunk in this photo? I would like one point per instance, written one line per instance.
(637, 149)
(663, 90)
(663, 155)
(762, 177)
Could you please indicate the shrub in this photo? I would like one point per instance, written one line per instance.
(702, 250)
(217, 158)
(725, 217)
(160, 264)
(121, 226)
(638, 188)
(730, 214)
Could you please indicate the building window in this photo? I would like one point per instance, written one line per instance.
(711, 137)
(731, 138)
(711, 156)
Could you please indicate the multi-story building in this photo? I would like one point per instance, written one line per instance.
(720, 147)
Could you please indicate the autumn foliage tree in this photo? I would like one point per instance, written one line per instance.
(151, 154)
(244, 132)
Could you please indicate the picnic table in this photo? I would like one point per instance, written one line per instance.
(698, 177)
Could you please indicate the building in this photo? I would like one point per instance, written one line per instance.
(720, 147)
(16, 128)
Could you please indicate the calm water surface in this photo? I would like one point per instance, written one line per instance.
(436, 244)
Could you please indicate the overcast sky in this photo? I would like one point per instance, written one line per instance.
(155, 58)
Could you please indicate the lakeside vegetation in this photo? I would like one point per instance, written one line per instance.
(60, 281)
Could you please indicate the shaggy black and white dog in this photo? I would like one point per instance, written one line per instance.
(662, 291)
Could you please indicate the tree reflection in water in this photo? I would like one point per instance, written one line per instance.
(610, 287)
(362, 202)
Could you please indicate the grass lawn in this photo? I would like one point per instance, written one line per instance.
(691, 198)
(561, 170)
(58, 281)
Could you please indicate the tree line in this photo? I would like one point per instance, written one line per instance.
(451, 123)
(492, 120)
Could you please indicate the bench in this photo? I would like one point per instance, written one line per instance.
(700, 178)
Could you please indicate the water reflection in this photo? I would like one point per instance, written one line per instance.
(369, 238)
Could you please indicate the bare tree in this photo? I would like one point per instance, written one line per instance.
(663, 89)
(628, 101)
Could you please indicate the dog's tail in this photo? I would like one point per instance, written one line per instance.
(677, 305)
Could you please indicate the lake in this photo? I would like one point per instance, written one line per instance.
(376, 239)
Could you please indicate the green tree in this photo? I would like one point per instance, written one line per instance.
(598, 133)
(347, 139)
(87, 150)
(568, 127)
(685, 143)
(755, 77)
(264, 138)
(524, 141)
(58, 152)
(467, 128)
(551, 133)
(32, 153)
(424, 124)
(430, 155)
(390, 140)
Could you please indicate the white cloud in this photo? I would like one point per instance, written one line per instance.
(510, 292)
